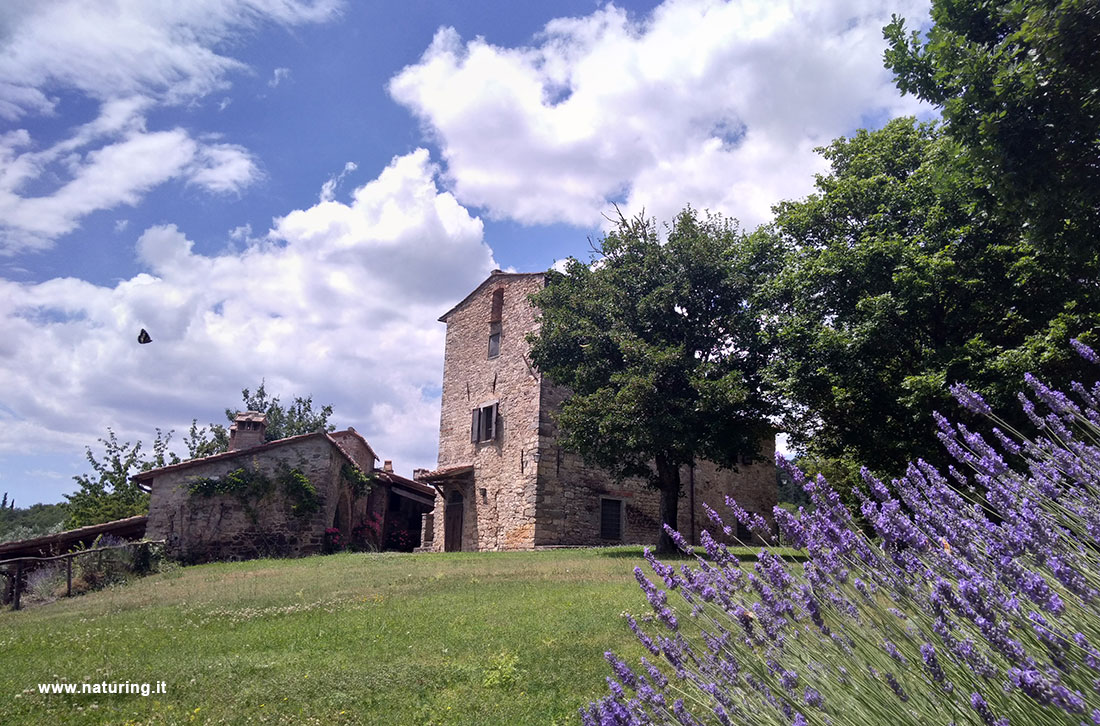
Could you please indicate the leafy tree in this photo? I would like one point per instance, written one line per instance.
(108, 494)
(661, 347)
(1017, 84)
(897, 282)
(282, 421)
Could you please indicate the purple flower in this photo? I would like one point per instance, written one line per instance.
(1086, 352)
(970, 400)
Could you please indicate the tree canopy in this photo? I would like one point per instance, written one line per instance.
(108, 493)
(897, 283)
(960, 251)
(1017, 85)
(661, 347)
(282, 421)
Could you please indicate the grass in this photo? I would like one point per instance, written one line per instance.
(461, 638)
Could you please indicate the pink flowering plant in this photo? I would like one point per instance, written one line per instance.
(367, 535)
(332, 540)
(975, 601)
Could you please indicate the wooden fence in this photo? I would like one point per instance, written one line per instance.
(15, 568)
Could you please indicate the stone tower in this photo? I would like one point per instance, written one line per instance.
(502, 481)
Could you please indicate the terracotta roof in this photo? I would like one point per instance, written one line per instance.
(227, 455)
(392, 479)
(494, 275)
(448, 472)
(129, 527)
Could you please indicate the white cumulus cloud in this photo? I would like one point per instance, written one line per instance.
(713, 103)
(130, 58)
(338, 300)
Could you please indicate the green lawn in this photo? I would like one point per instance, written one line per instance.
(491, 638)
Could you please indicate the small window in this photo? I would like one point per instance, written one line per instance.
(498, 305)
(483, 426)
(611, 519)
(494, 344)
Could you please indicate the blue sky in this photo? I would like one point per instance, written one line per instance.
(295, 191)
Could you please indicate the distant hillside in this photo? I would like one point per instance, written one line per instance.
(33, 521)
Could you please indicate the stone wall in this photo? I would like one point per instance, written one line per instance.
(356, 447)
(199, 528)
(569, 493)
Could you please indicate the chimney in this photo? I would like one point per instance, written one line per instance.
(387, 465)
(247, 430)
(418, 474)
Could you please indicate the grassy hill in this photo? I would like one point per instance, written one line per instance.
(492, 638)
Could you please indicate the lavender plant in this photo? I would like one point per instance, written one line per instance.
(975, 602)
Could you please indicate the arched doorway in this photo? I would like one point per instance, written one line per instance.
(341, 518)
(452, 523)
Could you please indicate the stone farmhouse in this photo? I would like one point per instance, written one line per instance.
(279, 519)
(503, 482)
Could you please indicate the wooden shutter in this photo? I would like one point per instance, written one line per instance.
(475, 425)
(492, 412)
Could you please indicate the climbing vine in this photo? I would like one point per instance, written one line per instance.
(249, 485)
(300, 491)
(245, 484)
(358, 481)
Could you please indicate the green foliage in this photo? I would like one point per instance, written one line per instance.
(1017, 84)
(502, 671)
(107, 493)
(33, 521)
(250, 485)
(301, 493)
(204, 441)
(282, 421)
(358, 481)
(897, 282)
(662, 348)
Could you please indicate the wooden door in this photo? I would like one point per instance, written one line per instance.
(452, 523)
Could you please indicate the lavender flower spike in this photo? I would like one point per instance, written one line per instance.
(970, 400)
(1086, 352)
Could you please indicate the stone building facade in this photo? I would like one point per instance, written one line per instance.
(503, 482)
(198, 528)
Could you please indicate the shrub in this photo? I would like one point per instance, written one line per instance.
(45, 584)
(367, 535)
(400, 540)
(974, 601)
(331, 541)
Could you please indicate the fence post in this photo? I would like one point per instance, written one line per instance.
(69, 576)
(18, 585)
